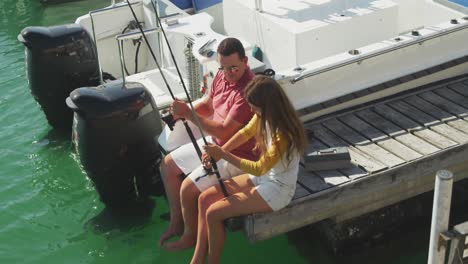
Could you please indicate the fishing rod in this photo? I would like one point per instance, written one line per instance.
(166, 118)
(213, 162)
(187, 127)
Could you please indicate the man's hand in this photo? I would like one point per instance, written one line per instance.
(180, 109)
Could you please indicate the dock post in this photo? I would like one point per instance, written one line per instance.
(440, 215)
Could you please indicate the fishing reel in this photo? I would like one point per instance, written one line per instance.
(168, 118)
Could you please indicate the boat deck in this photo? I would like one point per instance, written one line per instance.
(397, 144)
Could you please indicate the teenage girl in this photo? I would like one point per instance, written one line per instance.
(269, 183)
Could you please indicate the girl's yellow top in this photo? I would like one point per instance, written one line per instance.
(267, 160)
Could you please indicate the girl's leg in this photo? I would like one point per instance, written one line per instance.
(243, 199)
(207, 198)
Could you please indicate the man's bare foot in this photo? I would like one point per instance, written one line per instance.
(169, 233)
(184, 242)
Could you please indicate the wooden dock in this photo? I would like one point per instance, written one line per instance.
(397, 144)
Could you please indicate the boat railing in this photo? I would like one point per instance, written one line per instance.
(91, 13)
(137, 34)
(359, 58)
(131, 35)
(114, 6)
(259, 5)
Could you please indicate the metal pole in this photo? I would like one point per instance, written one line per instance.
(259, 5)
(122, 61)
(440, 215)
(101, 79)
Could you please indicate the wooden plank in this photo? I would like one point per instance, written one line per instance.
(381, 139)
(310, 181)
(313, 143)
(461, 88)
(394, 196)
(397, 132)
(413, 127)
(438, 113)
(300, 192)
(403, 182)
(354, 173)
(332, 177)
(462, 228)
(358, 157)
(455, 97)
(362, 143)
(446, 105)
(428, 121)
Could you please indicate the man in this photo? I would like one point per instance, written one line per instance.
(230, 112)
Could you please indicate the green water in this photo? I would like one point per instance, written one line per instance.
(48, 208)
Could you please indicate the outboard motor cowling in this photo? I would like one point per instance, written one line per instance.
(115, 127)
(59, 59)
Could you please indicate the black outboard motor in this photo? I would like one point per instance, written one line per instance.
(58, 60)
(115, 129)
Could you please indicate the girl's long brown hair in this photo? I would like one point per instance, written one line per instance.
(277, 113)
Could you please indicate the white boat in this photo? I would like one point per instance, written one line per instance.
(328, 55)
(320, 49)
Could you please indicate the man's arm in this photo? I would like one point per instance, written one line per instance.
(203, 107)
(222, 131)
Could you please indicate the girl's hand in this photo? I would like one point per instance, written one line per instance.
(214, 151)
(206, 160)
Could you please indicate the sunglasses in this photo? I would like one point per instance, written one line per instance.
(229, 69)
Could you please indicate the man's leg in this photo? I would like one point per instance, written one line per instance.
(170, 174)
(183, 160)
(189, 198)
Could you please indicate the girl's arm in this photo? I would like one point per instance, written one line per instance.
(257, 168)
(235, 141)
(267, 160)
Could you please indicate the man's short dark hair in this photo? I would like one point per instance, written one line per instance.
(230, 46)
